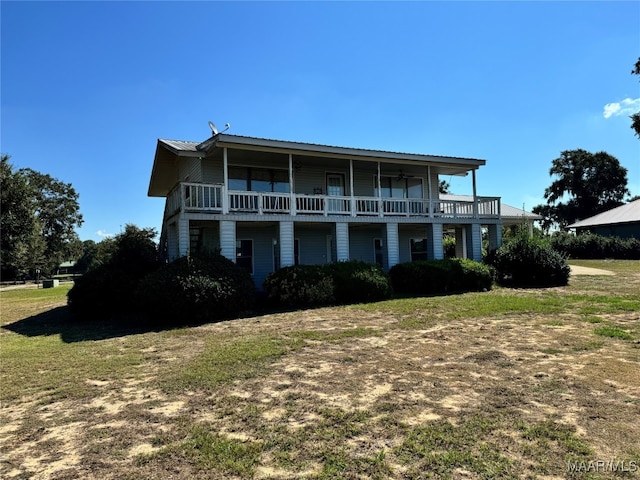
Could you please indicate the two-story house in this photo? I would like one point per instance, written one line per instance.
(267, 203)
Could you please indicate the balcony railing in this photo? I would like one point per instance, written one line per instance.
(200, 197)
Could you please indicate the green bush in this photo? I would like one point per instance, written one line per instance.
(110, 288)
(440, 276)
(590, 246)
(334, 283)
(530, 262)
(200, 288)
(359, 282)
(300, 286)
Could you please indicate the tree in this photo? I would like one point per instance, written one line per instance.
(635, 118)
(444, 186)
(39, 214)
(590, 183)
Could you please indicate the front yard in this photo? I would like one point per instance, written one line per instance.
(511, 383)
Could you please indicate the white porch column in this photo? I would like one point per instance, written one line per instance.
(475, 194)
(228, 239)
(495, 237)
(474, 241)
(393, 245)
(353, 198)
(435, 247)
(342, 241)
(429, 189)
(292, 199)
(225, 189)
(183, 236)
(380, 209)
(287, 254)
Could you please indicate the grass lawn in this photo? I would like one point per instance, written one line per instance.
(512, 383)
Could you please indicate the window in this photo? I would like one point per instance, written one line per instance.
(244, 254)
(393, 187)
(378, 252)
(251, 179)
(276, 253)
(418, 249)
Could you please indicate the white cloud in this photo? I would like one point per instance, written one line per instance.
(628, 106)
(103, 234)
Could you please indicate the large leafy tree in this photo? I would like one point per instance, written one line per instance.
(38, 218)
(635, 118)
(585, 184)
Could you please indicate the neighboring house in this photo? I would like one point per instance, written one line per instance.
(67, 267)
(622, 221)
(267, 204)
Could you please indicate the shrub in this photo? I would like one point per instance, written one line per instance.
(200, 288)
(339, 282)
(529, 262)
(300, 286)
(110, 288)
(590, 246)
(359, 282)
(440, 276)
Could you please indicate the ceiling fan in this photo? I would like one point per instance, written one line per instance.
(402, 175)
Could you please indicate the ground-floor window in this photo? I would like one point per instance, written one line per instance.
(418, 249)
(276, 253)
(377, 251)
(244, 254)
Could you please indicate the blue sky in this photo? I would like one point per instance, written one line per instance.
(88, 87)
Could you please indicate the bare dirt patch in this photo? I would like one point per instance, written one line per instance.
(362, 394)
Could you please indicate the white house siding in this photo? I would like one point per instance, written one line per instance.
(190, 170)
(361, 245)
(309, 178)
(435, 248)
(474, 249)
(212, 171)
(228, 239)
(313, 243)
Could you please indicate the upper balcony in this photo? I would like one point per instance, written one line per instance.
(215, 198)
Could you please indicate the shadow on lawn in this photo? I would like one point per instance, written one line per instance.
(59, 321)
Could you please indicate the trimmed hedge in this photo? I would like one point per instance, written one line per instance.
(429, 277)
(530, 262)
(300, 286)
(590, 246)
(335, 283)
(205, 287)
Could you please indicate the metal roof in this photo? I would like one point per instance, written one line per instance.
(239, 140)
(627, 213)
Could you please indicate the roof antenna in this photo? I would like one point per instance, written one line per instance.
(214, 130)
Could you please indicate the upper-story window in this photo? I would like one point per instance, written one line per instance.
(253, 179)
(394, 187)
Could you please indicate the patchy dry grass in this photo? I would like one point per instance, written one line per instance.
(512, 383)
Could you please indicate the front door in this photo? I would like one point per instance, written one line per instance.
(335, 188)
